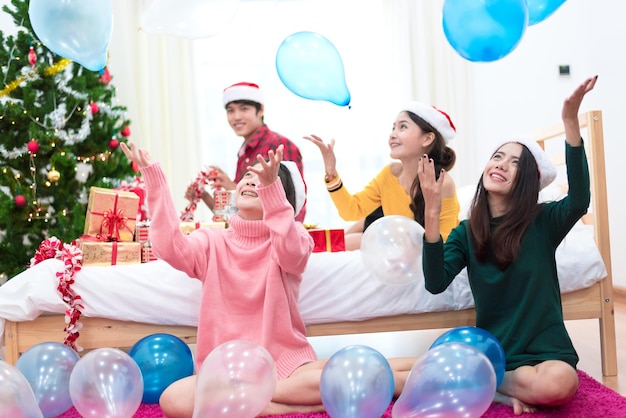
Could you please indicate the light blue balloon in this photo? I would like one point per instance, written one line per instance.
(540, 10)
(480, 339)
(310, 66)
(75, 29)
(357, 382)
(162, 359)
(484, 30)
(48, 367)
(451, 380)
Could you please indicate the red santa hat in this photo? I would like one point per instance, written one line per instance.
(547, 170)
(437, 118)
(243, 91)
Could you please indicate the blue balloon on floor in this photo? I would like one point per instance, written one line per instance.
(356, 382)
(310, 66)
(484, 30)
(162, 359)
(47, 367)
(540, 10)
(482, 340)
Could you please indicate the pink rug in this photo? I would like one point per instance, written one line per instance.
(593, 400)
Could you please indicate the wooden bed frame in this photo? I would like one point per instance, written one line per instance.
(595, 302)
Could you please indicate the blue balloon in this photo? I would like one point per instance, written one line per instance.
(47, 367)
(162, 359)
(357, 382)
(480, 339)
(540, 10)
(484, 30)
(450, 380)
(310, 66)
(75, 29)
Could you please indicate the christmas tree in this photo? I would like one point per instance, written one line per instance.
(59, 135)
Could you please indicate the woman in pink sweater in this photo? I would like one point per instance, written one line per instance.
(251, 274)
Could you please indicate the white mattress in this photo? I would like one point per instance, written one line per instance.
(336, 287)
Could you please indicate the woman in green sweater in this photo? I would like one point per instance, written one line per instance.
(508, 246)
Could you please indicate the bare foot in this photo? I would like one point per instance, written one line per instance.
(274, 408)
(518, 406)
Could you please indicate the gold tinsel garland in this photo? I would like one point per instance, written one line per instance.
(50, 71)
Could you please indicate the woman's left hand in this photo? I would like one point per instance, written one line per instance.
(267, 171)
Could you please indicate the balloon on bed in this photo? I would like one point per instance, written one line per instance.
(391, 249)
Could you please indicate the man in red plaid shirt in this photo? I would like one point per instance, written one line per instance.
(244, 110)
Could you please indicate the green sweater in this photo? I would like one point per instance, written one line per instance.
(521, 305)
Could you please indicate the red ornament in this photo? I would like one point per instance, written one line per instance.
(113, 144)
(105, 76)
(134, 166)
(20, 201)
(94, 108)
(126, 131)
(33, 146)
(32, 57)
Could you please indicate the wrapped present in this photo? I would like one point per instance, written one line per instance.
(328, 240)
(98, 253)
(188, 227)
(142, 230)
(111, 214)
(146, 252)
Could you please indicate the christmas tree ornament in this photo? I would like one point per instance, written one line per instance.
(32, 57)
(33, 146)
(105, 76)
(126, 131)
(113, 144)
(134, 166)
(54, 175)
(94, 107)
(20, 201)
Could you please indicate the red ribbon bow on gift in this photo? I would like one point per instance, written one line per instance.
(114, 220)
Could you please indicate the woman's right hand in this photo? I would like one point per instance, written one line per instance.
(328, 154)
(139, 156)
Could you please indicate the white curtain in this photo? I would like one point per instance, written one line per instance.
(153, 76)
(392, 51)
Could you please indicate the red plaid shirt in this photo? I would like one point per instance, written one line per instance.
(261, 142)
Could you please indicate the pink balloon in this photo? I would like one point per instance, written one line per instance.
(106, 383)
(17, 399)
(236, 380)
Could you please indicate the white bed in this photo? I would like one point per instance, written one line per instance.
(338, 296)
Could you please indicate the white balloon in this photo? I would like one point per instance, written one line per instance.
(391, 249)
(17, 399)
(188, 18)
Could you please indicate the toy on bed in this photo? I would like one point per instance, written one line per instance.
(124, 303)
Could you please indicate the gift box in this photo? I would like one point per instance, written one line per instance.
(188, 227)
(98, 253)
(142, 230)
(146, 252)
(111, 214)
(328, 240)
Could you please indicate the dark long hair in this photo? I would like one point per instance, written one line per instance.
(503, 241)
(290, 191)
(443, 156)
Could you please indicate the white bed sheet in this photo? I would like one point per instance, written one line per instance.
(335, 287)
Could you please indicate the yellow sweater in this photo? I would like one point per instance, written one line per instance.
(385, 190)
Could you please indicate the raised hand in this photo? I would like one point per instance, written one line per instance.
(328, 153)
(571, 107)
(267, 171)
(431, 190)
(139, 156)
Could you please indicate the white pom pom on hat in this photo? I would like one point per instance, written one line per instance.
(547, 170)
(242, 91)
(298, 185)
(437, 118)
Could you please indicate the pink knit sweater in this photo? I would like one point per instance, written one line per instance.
(251, 273)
